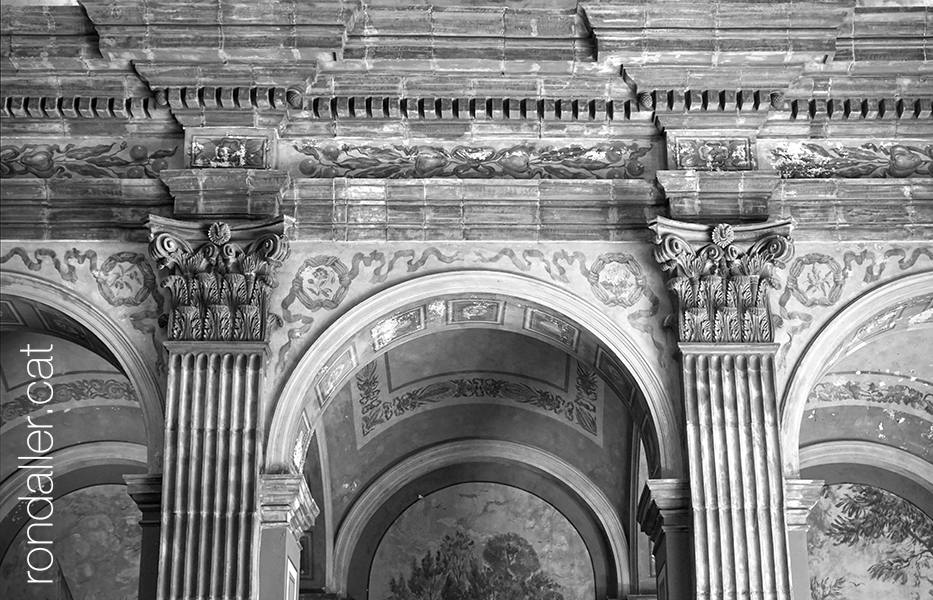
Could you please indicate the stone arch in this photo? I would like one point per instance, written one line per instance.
(479, 451)
(879, 465)
(825, 349)
(136, 369)
(342, 348)
(75, 468)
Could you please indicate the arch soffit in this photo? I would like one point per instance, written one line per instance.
(404, 312)
(825, 349)
(895, 461)
(101, 325)
(74, 468)
(473, 451)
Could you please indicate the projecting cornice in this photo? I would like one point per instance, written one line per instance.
(643, 34)
(707, 65)
(220, 30)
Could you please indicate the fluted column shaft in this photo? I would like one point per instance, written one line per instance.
(736, 482)
(210, 523)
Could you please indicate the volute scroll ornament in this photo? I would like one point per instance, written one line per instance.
(720, 277)
(219, 277)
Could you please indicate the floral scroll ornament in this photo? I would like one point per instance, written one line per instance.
(580, 411)
(719, 291)
(798, 160)
(104, 160)
(616, 161)
(220, 289)
(617, 280)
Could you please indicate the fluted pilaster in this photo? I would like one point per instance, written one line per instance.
(736, 483)
(209, 501)
(720, 282)
(219, 279)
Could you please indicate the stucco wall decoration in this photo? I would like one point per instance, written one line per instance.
(481, 540)
(524, 161)
(110, 160)
(866, 543)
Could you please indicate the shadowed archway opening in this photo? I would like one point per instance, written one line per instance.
(476, 504)
(480, 358)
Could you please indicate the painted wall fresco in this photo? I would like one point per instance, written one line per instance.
(96, 542)
(866, 543)
(475, 541)
(571, 393)
(354, 460)
(881, 391)
(817, 283)
(124, 282)
(616, 279)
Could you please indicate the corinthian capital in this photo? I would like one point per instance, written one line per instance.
(220, 276)
(720, 277)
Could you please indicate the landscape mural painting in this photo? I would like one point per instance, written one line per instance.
(481, 541)
(866, 543)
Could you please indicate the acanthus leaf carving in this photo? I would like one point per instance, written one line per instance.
(718, 289)
(219, 287)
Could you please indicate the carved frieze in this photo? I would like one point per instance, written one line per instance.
(714, 154)
(721, 276)
(105, 160)
(230, 147)
(615, 161)
(228, 152)
(799, 160)
(220, 277)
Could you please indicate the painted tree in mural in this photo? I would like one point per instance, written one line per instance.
(509, 570)
(869, 516)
